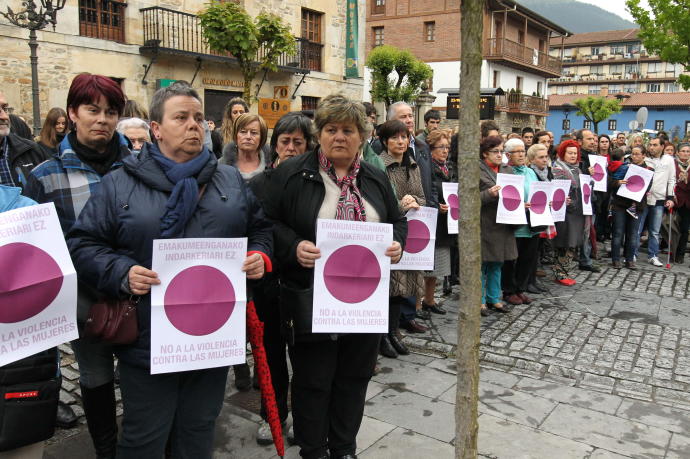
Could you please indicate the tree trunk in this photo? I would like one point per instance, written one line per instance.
(469, 241)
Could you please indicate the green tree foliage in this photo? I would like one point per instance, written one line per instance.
(396, 74)
(665, 31)
(256, 44)
(597, 109)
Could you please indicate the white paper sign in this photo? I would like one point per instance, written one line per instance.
(539, 199)
(559, 199)
(351, 279)
(421, 239)
(586, 193)
(638, 181)
(600, 174)
(198, 311)
(511, 199)
(38, 284)
(450, 195)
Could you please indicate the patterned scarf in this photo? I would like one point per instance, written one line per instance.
(443, 165)
(682, 171)
(350, 202)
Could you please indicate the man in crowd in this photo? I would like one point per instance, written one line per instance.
(588, 142)
(527, 136)
(372, 117)
(489, 128)
(660, 196)
(432, 120)
(18, 156)
(620, 140)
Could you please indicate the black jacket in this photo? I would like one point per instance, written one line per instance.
(116, 229)
(443, 239)
(23, 155)
(295, 194)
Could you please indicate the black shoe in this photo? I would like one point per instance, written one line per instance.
(413, 327)
(243, 378)
(503, 308)
(591, 268)
(65, 419)
(347, 456)
(533, 289)
(398, 345)
(446, 287)
(385, 348)
(434, 308)
(454, 280)
(485, 312)
(422, 314)
(101, 418)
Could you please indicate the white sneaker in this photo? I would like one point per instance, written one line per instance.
(263, 434)
(655, 261)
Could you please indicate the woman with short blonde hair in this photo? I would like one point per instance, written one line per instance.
(246, 152)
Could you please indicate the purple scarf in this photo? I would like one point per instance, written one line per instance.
(350, 202)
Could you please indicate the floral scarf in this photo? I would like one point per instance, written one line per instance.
(682, 171)
(443, 165)
(350, 203)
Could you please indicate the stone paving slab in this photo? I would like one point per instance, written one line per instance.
(516, 406)
(652, 414)
(575, 396)
(410, 377)
(407, 443)
(679, 448)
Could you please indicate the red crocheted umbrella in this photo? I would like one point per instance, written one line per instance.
(255, 330)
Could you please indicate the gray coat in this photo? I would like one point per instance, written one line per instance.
(498, 240)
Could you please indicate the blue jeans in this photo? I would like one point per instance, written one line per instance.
(652, 215)
(491, 282)
(586, 249)
(624, 225)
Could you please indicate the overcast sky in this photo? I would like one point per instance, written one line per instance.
(615, 6)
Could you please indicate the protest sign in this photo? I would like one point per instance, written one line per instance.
(559, 199)
(351, 279)
(638, 179)
(450, 195)
(586, 193)
(421, 239)
(539, 198)
(511, 198)
(600, 174)
(198, 310)
(38, 284)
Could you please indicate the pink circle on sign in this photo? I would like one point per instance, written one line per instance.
(511, 197)
(558, 199)
(538, 202)
(29, 281)
(199, 300)
(453, 206)
(598, 172)
(417, 236)
(352, 274)
(586, 193)
(635, 183)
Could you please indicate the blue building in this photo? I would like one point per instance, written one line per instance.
(669, 112)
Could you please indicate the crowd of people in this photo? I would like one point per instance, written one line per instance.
(121, 176)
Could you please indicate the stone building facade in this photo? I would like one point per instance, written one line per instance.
(143, 44)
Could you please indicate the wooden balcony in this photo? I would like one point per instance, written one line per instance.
(520, 103)
(522, 57)
(168, 31)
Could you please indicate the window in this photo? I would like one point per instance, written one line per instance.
(653, 87)
(378, 36)
(595, 50)
(311, 25)
(631, 69)
(630, 87)
(612, 125)
(311, 32)
(310, 103)
(687, 128)
(497, 79)
(659, 125)
(429, 31)
(616, 69)
(518, 84)
(378, 7)
(596, 69)
(632, 48)
(566, 125)
(615, 88)
(654, 67)
(539, 88)
(587, 124)
(102, 19)
(671, 87)
(617, 49)
(594, 89)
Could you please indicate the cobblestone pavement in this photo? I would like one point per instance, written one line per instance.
(598, 370)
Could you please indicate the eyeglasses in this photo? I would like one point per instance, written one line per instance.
(441, 148)
(495, 150)
(7, 109)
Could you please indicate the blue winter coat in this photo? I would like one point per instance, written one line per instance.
(116, 229)
(11, 198)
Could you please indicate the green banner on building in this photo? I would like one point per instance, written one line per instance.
(351, 59)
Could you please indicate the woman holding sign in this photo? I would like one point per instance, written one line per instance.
(330, 372)
(174, 188)
(682, 198)
(498, 240)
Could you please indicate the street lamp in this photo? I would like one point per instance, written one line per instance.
(566, 111)
(29, 18)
